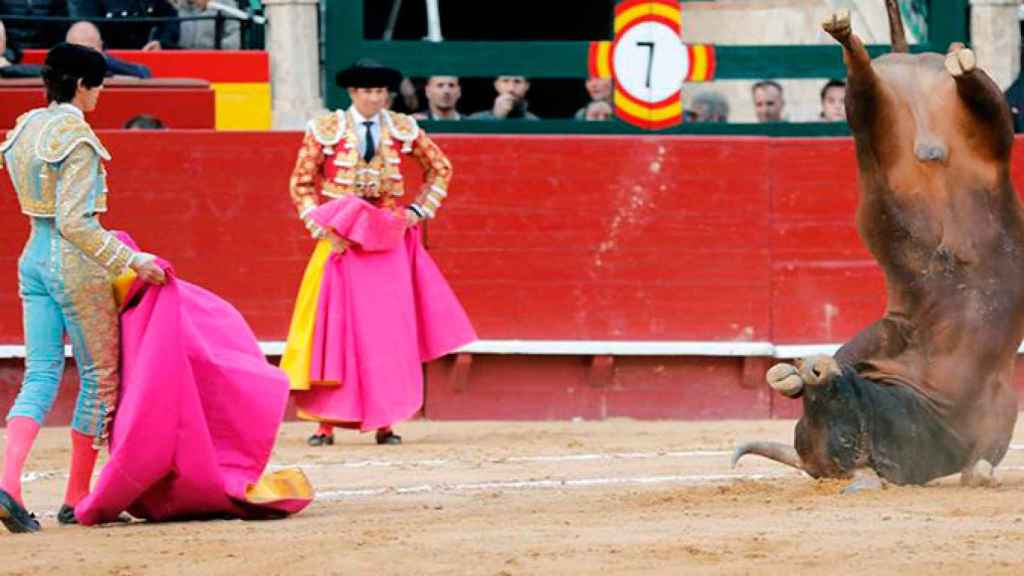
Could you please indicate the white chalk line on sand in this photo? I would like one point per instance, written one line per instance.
(442, 462)
(443, 488)
(342, 494)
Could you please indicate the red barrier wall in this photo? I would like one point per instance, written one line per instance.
(212, 65)
(181, 107)
(543, 237)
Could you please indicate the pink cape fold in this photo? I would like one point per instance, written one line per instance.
(380, 315)
(198, 413)
(357, 221)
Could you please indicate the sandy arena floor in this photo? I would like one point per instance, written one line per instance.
(498, 498)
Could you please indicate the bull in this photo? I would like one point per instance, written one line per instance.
(926, 391)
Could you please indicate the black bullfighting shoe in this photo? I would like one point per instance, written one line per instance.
(389, 438)
(66, 515)
(15, 517)
(321, 440)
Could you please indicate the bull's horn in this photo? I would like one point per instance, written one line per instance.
(777, 451)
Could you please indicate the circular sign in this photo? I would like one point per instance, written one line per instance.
(649, 61)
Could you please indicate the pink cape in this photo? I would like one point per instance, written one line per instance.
(198, 413)
(383, 309)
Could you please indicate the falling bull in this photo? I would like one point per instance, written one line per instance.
(927, 390)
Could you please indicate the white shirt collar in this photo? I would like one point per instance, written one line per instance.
(359, 118)
(65, 107)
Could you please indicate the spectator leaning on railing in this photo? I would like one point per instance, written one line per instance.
(131, 35)
(202, 34)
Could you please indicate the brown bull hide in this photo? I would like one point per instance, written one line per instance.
(933, 376)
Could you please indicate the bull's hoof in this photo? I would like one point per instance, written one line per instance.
(864, 479)
(818, 370)
(784, 379)
(838, 25)
(960, 61)
(981, 474)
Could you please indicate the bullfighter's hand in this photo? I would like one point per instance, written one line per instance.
(411, 219)
(338, 244)
(146, 267)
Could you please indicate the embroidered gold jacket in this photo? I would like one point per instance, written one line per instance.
(329, 163)
(55, 163)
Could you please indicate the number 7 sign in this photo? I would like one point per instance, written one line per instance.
(648, 63)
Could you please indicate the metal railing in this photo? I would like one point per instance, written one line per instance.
(250, 24)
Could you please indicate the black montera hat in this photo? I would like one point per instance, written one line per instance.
(77, 61)
(366, 73)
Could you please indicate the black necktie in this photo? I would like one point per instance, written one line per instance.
(370, 148)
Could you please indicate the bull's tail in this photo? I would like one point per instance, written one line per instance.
(899, 37)
(777, 451)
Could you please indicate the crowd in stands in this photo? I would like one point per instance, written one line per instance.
(511, 103)
(106, 24)
(185, 24)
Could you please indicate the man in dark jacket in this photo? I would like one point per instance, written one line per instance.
(87, 34)
(131, 35)
(26, 27)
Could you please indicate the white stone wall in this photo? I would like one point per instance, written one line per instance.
(995, 37)
(766, 22)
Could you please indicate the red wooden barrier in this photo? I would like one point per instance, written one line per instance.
(568, 237)
(212, 65)
(183, 104)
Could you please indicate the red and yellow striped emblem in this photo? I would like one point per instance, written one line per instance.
(646, 95)
(702, 63)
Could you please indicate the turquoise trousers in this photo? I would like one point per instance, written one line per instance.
(63, 292)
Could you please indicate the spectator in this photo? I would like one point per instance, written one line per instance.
(597, 110)
(599, 89)
(27, 31)
(144, 122)
(407, 92)
(768, 101)
(833, 101)
(402, 97)
(87, 34)
(10, 58)
(510, 104)
(709, 107)
(202, 34)
(131, 35)
(443, 93)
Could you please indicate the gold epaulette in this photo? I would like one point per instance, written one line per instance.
(328, 129)
(402, 126)
(12, 134)
(62, 134)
